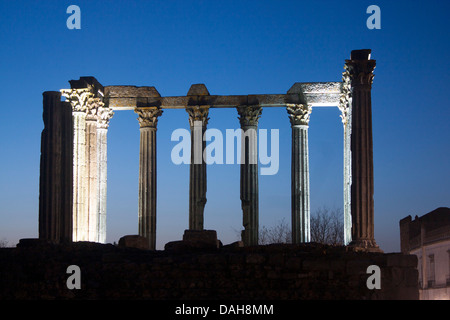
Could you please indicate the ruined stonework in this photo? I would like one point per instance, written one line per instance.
(93, 106)
(55, 183)
(36, 270)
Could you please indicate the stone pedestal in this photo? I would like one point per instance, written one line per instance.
(248, 118)
(134, 241)
(300, 204)
(360, 69)
(56, 175)
(148, 119)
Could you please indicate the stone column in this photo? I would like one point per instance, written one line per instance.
(248, 118)
(360, 69)
(148, 119)
(299, 116)
(55, 181)
(345, 104)
(91, 204)
(104, 115)
(78, 98)
(198, 120)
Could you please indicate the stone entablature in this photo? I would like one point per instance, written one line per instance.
(315, 94)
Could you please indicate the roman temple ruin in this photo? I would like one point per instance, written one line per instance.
(73, 172)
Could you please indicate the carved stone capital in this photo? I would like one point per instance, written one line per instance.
(104, 115)
(361, 72)
(93, 104)
(84, 100)
(249, 115)
(198, 113)
(346, 93)
(299, 114)
(78, 98)
(148, 117)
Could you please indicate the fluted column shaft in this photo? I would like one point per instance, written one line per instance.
(249, 189)
(85, 106)
(91, 205)
(362, 206)
(347, 185)
(198, 120)
(104, 116)
(56, 165)
(345, 106)
(300, 197)
(80, 218)
(148, 119)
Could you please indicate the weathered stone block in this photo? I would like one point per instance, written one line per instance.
(255, 258)
(201, 239)
(401, 260)
(134, 241)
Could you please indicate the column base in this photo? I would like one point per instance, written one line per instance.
(364, 246)
(197, 240)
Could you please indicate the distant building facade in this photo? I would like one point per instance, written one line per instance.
(428, 237)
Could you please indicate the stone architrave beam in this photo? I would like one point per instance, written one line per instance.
(315, 94)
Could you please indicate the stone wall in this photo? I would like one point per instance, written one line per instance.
(37, 270)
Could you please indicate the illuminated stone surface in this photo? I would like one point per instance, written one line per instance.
(345, 105)
(300, 203)
(104, 115)
(89, 161)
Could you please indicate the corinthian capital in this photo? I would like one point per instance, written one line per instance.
(346, 93)
(78, 98)
(104, 115)
(92, 107)
(198, 113)
(361, 72)
(299, 114)
(249, 115)
(148, 117)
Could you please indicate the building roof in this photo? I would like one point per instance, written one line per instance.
(436, 226)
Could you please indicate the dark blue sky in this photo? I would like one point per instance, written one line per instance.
(234, 47)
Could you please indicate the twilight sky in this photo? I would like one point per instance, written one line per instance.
(233, 47)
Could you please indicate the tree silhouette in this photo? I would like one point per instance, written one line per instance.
(327, 227)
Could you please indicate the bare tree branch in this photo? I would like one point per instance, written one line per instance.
(327, 227)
